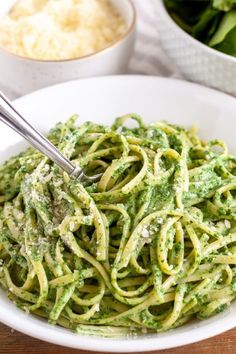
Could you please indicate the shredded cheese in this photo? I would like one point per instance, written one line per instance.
(60, 29)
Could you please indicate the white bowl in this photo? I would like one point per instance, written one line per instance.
(195, 60)
(101, 100)
(22, 75)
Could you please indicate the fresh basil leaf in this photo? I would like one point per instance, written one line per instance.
(207, 24)
(227, 23)
(188, 11)
(223, 5)
(228, 45)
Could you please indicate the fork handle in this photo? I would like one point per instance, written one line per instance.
(10, 116)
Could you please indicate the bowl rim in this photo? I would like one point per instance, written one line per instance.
(165, 15)
(130, 29)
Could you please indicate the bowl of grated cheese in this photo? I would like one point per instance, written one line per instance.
(44, 42)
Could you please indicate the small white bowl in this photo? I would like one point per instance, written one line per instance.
(196, 61)
(22, 75)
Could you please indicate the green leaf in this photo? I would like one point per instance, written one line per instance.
(228, 45)
(223, 5)
(207, 24)
(227, 23)
(188, 11)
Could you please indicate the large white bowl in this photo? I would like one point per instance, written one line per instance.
(22, 75)
(100, 100)
(196, 61)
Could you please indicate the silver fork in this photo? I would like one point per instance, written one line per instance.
(10, 116)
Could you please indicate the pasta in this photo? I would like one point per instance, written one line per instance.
(149, 247)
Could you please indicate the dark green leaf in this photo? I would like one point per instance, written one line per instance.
(223, 5)
(227, 23)
(207, 24)
(188, 11)
(228, 45)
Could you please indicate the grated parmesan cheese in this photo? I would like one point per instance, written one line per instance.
(60, 29)
(145, 233)
(72, 226)
(97, 307)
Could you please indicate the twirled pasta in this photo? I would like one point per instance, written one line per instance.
(147, 248)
